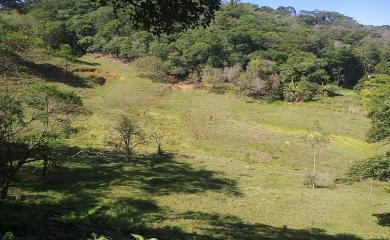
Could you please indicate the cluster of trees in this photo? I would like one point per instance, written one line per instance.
(271, 50)
(274, 53)
(375, 95)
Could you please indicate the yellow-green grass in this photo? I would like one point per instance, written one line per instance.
(235, 168)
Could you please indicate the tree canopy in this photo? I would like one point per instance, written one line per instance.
(164, 16)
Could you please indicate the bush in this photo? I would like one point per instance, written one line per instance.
(11, 45)
(120, 47)
(151, 67)
(99, 80)
(380, 123)
(328, 91)
(270, 88)
(376, 90)
(310, 179)
(377, 168)
(213, 76)
(300, 91)
(273, 87)
(218, 89)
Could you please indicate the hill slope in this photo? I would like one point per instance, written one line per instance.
(233, 170)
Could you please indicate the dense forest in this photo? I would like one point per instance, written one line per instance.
(315, 46)
(251, 52)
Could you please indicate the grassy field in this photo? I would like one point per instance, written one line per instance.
(233, 170)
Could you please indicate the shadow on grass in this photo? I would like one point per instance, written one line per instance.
(78, 216)
(97, 191)
(154, 174)
(221, 227)
(78, 61)
(383, 219)
(53, 73)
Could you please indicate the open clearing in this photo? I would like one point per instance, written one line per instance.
(233, 169)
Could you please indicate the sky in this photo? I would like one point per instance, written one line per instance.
(367, 12)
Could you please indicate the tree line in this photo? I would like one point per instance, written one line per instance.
(264, 52)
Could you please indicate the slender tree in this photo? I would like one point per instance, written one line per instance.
(130, 135)
(317, 140)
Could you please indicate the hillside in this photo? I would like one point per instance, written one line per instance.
(264, 124)
(233, 169)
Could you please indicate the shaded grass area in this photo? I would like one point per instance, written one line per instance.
(75, 201)
(54, 73)
(30, 70)
(383, 219)
(118, 226)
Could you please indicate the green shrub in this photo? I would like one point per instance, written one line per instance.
(377, 168)
(380, 123)
(328, 91)
(151, 67)
(300, 91)
(310, 179)
(218, 89)
(375, 90)
(273, 88)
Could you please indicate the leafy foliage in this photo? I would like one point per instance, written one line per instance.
(376, 96)
(380, 128)
(162, 16)
(152, 67)
(11, 45)
(130, 135)
(375, 90)
(272, 47)
(377, 168)
(30, 124)
(301, 91)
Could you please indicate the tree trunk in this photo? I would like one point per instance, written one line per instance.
(338, 76)
(370, 201)
(4, 188)
(128, 153)
(314, 166)
(159, 149)
(45, 163)
(45, 159)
